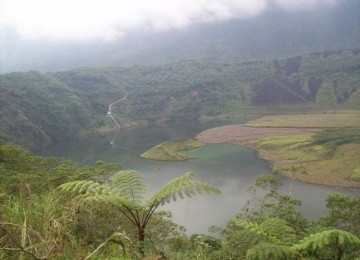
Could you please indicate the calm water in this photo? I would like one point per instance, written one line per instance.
(231, 168)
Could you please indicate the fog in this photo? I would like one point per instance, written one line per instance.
(60, 35)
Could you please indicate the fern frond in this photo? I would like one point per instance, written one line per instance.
(269, 251)
(93, 192)
(81, 187)
(182, 187)
(325, 238)
(130, 184)
(272, 229)
(279, 228)
(255, 228)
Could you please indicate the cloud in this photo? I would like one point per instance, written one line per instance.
(107, 20)
(305, 4)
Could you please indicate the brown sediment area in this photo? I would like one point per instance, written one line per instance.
(251, 137)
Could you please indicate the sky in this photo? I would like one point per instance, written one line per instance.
(109, 20)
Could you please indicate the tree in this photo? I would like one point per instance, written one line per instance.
(274, 239)
(343, 212)
(128, 190)
(333, 244)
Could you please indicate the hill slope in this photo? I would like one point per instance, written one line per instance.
(39, 108)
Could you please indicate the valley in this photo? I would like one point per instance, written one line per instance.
(39, 109)
(180, 130)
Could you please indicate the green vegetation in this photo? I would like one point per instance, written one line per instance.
(40, 108)
(327, 161)
(96, 219)
(128, 195)
(336, 118)
(332, 139)
(330, 156)
(171, 150)
(101, 213)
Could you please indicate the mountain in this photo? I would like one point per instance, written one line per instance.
(37, 109)
(273, 34)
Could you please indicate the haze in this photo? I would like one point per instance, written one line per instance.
(110, 19)
(60, 35)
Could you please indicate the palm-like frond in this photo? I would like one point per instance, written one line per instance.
(269, 251)
(130, 184)
(182, 186)
(325, 238)
(89, 192)
(128, 193)
(272, 229)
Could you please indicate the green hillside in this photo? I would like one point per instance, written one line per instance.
(39, 108)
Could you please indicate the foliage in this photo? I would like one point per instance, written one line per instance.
(256, 234)
(39, 228)
(343, 212)
(40, 108)
(269, 251)
(116, 238)
(98, 222)
(22, 173)
(335, 137)
(272, 203)
(333, 241)
(127, 194)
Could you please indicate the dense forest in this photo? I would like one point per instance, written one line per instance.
(89, 218)
(37, 109)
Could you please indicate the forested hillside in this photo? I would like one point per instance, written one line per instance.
(39, 108)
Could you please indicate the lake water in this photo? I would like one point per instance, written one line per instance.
(231, 168)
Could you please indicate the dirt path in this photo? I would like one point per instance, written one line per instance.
(109, 113)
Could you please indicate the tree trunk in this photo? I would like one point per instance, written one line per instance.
(141, 237)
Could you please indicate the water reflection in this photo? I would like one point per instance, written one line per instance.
(231, 168)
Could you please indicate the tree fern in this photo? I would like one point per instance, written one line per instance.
(332, 239)
(180, 187)
(128, 194)
(272, 229)
(91, 192)
(130, 184)
(267, 251)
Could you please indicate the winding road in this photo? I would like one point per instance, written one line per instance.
(109, 113)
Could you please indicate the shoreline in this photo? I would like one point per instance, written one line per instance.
(253, 138)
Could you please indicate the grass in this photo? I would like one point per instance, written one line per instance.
(171, 150)
(356, 174)
(343, 118)
(331, 156)
(332, 162)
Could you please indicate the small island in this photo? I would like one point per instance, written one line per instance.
(172, 150)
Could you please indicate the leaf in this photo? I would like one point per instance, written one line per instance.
(178, 187)
(264, 251)
(326, 238)
(130, 184)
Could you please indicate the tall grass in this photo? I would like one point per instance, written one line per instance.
(37, 228)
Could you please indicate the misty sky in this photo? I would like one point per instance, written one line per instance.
(108, 20)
